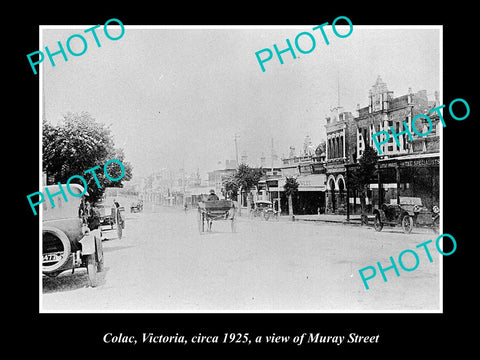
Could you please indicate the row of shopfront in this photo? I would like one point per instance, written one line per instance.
(323, 186)
(324, 189)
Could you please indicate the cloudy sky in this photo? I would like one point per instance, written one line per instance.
(176, 96)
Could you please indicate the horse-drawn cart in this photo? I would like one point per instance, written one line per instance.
(208, 211)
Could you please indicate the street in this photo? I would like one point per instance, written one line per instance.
(163, 264)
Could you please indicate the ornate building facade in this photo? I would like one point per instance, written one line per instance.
(409, 163)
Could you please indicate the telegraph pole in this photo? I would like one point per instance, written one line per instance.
(236, 147)
(272, 155)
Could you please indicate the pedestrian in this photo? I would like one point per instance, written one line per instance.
(116, 205)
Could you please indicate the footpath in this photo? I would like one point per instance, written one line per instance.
(353, 219)
(328, 218)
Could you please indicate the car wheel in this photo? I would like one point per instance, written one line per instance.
(407, 224)
(55, 240)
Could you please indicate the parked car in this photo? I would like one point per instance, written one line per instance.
(67, 242)
(264, 208)
(111, 217)
(409, 213)
(136, 206)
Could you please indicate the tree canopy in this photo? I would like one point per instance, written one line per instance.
(359, 178)
(246, 177)
(291, 185)
(362, 175)
(78, 143)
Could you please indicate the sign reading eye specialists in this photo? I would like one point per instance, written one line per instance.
(76, 45)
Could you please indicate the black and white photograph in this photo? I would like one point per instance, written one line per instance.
(293, 184)
(276, 178)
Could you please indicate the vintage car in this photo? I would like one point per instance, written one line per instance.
(409, 213)
(105, 214)
(66, 241)
(136, 206)
(111, 217)
(263, 208)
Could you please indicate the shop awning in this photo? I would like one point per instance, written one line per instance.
(309, 182)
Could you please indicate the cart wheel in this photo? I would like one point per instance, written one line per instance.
(92, 269)
(364, 219)
(407, 224)
(377, 224)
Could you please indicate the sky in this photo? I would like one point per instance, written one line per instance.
(176, 96)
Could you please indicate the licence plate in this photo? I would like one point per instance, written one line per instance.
(52, 257)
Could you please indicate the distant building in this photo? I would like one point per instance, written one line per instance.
(230, 164)
(341, 149)
(308, 168)
(216, 177)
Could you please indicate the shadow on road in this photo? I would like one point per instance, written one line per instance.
(215, 232)
(68, 281)
(415, 231)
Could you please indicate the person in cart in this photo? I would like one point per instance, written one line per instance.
(212, 196)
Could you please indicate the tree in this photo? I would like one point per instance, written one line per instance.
(79, 143)
(248, 177)
(291, 188)
(231, 186)
(245, 178)
(360, 178)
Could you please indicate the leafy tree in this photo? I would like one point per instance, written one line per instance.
(361, 177)
(79, 143)
(245, 177)
(231, 186)
(248, 177)
(291, 188)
